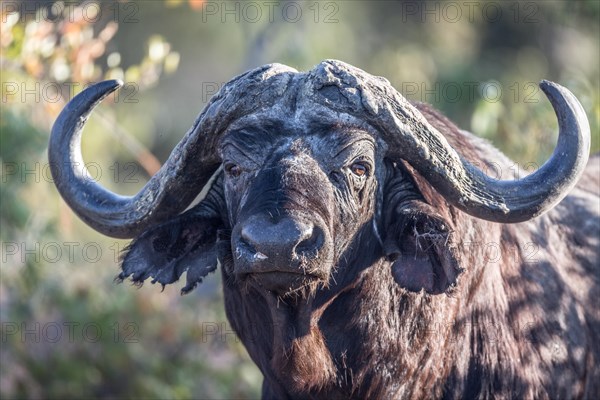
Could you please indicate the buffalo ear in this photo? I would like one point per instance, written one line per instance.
(166, 251)
(419, 242)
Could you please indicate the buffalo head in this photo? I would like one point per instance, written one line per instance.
(310, 170)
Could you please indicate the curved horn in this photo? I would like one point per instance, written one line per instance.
(106, 212)
(509, 201)
(180, 179)
(410, 137)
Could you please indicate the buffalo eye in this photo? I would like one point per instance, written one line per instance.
(232, 170)
(359, 169)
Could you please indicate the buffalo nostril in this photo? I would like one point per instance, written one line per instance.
(247, 241)
(311, 241)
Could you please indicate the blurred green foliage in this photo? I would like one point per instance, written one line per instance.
(478, 63)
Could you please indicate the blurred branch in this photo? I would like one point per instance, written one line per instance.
(141, 153)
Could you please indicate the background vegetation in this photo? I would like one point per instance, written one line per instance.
(67, 329)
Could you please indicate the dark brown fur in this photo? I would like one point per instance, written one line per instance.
(512, 328)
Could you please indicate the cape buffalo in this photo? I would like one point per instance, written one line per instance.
(363, 251)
